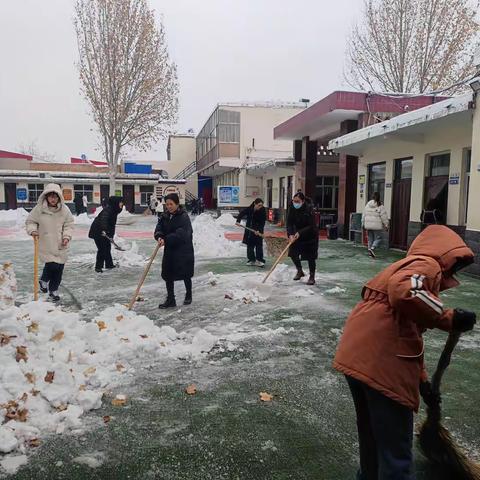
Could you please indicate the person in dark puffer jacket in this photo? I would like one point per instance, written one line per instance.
(103, 228)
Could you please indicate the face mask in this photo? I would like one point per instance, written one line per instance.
(296, 205)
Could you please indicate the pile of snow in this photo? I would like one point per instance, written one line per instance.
(56, 367)
(16, 217)
(335, 290)
(83, 219)
(226, 219)
(251, 295)
(209, 239)
(125, 217)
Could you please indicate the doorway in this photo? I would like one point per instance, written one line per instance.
(400, 214)
(11, 195)
(129, 197)
(104, 192)
(435, 199)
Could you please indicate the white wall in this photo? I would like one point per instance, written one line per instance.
(451, 136)
(473, 221)
(275, 175)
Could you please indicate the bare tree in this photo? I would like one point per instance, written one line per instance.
(31, 148)
(412, 45)
(126, 75)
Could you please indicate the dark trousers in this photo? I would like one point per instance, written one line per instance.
(52, 274)
(104, 253)
(311, 264)
(255, 250)
(385, 435)
(171, 288)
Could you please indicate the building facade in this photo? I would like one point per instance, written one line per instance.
(422, 161)
(326, 176)
(236, 137)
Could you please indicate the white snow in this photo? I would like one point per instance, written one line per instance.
(335, 290)
(83, 219)
(93, 460)
(209, 239)
(11, 464)
(226, 219)
(17, 217)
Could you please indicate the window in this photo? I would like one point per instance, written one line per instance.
(467, 162)
(376, 179)
(269, 193)
(82, 190)
(34, 191)
(146, 191)
(403, 168)
(439, 165)
(326, 193)
(281, 200)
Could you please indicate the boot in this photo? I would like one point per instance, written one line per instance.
(43, 286)
(168, 303)
(311, 279)
(188, 298)
(54, 297)
(299, 275)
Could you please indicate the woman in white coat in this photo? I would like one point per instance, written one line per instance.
(51, 221)
(374, 221)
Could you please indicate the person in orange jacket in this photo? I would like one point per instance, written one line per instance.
(381, 349)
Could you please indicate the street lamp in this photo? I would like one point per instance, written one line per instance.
(305, 101)
(475, 84)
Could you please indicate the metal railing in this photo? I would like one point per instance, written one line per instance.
(188, 171)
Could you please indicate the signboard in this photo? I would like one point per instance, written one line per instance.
(118, 193)
(361, 179)
(67, 194)
(388, 185)
(228, 196)
(172, 189)
(21, 194)
(454, 179)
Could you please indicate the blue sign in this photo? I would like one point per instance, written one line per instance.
(454, 180)
(83, 156)
(228, 196)
(21, 194)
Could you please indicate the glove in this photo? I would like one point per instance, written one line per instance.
(431, 399)
(463, 320)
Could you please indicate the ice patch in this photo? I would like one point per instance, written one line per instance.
(209, 239)
(11, 464)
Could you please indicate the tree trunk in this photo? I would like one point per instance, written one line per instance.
(113, 175)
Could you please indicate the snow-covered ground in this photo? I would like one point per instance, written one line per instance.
(97, 386)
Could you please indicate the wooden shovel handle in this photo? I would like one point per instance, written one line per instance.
(143, 277)
(35, 268)
(278, 260)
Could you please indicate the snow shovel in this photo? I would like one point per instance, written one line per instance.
(278, 260)
(112, 241)
(435, 441)
(35, 268)
(143, 277)
(250, 230)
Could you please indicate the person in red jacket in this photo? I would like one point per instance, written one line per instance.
(381, 349)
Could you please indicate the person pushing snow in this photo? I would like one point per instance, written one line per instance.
(381, 349)
(52, 222)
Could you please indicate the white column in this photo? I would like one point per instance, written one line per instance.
(473, 220)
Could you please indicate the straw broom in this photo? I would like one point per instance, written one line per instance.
(435, 441)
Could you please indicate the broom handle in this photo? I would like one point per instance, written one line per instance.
(144, 276)
(277, 261)
(35, 268)
(444, 360)
(249, 229)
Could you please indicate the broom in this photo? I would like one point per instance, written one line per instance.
(435, 441)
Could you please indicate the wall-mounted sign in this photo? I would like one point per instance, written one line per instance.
(172, 189)
(96, 194)
(361, 179)
(228, 196)
(118, 193)
(388, 185)
(67, 194)
(21, 194)
(454, 179)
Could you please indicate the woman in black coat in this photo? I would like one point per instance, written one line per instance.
(256, 218)
(103, 228)
(174, 232)
(301, 228)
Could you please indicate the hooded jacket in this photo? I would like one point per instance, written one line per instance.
(52, 225)
(374, 217)
(255, 220)
(302, 221)
(382, 344)
(106, 220)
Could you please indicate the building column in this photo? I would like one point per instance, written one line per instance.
(472, 235)
(347, 182)
(306, 167)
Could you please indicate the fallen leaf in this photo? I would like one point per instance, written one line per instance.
(70, 356)
(163, 344)
(58, 336)
(30, 377)
(229, 296)
(82, 387)
(7, 265)
(90, 371)
(34, 442)
(24, 397)
(33, 327)
(124, 339)
(49, 377)
(106, 418)
(266, 397)
(18, 414)
(191, 389)
(62, 407)
(119, 318)
(4, 339)
(34, 392)
(247, 300)
(144, 336)
(101, 325)
(140, 299)
(119, 401)
(21, 354)
(120, 367)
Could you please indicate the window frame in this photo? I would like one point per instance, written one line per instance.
(80, 188)
(370, 190)
(146, 195)
(35, 191)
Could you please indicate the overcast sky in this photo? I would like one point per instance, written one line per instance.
(226, 50)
